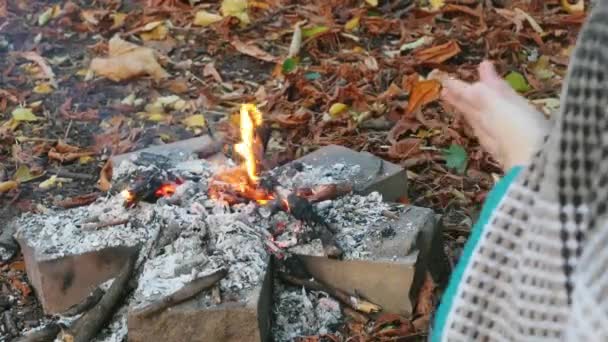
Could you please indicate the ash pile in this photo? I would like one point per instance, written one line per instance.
(208, 250)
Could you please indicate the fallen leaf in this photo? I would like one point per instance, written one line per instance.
(118, 20)
(159, 32)
(352, 24)
(314, 31)
(253, 51)
(517, 81)
(337, 109)
(577, 7)
(41, 62)
(7, 186)
(93, 16)
(23, 174)
(403, 126)
(439, 53)
(50, 13)
(43, 88)
(48, 183)
(196, 120)
(24, 114)
(373, 3)
(456, 158)
(436, 4)
(533, 23)
(63, 152)
(296, 41)
(289, 65)
(210, 70)
(127, 60)
(235, 8)
(423, 92)
(542, 68)
(404, 148)
(204, 18)
(105, 177)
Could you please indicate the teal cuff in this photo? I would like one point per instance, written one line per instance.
(492, 201)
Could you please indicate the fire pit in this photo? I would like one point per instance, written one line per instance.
(207, 235)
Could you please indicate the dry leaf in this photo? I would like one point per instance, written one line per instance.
(8, 186)
(127, 60)
(577, 7)
(156, 30)
(423, 92)
(439, 53)
(118, 20)
(403, 126)
(23, 287)
(67, 153)
(210, 70)
(204, 18)
(41, 62)
(236, 8)
(105, 177)
(405, 148)
(253, 51)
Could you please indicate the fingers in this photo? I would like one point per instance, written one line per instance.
(489, 76)
(462, 96)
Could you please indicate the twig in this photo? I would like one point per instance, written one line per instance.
(355, 315)
(46, 334)
(343, 297)
(88, 325)
(187, 291)
(74, 175)
(99, 225)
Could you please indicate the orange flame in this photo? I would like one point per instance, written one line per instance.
(251, 118)
(165, 190)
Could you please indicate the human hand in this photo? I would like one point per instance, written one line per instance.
(507, 126)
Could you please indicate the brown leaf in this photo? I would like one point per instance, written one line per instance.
(253, 51)
(422, 93)
(210, 70)
(44, 66)
(292, 120)
(405, 148)
(178, 86)
(67, 153)
(3, 9)
(105, 177)
(78, 201)
(438, 54)
(8, 186)
(127, 60)
(403, 126)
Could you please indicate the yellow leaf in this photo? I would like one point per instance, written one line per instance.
(337, 108)
(236, 8)
(85, 159)
(372, 3)
(436, 4)
(158, 33)
(578, 7)
(24, 114)
(197, 120)
(352, 24)
(23, 174)
(118, 20)
(43, 88)
(156, 117)
(204, 18)
(49, 183)
(127, 60)
(8, 186)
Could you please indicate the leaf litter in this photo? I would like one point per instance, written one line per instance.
(77, 78)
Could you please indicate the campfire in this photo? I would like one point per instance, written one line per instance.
(242, 183)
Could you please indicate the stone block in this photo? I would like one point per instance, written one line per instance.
(203, 147)
(248, 320)
(393, 271)
(375, 174)
(62, 282)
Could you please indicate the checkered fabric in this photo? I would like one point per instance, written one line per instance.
(539, 270)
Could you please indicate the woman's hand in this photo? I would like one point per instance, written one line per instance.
(507, 126)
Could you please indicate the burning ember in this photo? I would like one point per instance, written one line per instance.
(242, 183)
(149, 188)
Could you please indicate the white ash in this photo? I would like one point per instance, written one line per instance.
(60, 233)
(117, 330)
(309, 176)
(298, 313)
